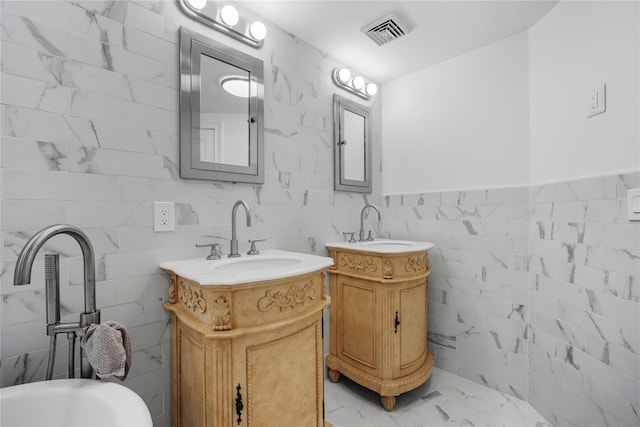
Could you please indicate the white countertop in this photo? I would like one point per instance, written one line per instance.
(383, 246)
(268, 265)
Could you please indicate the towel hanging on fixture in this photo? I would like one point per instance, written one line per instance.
(108, 349)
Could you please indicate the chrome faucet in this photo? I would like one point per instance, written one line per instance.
(234, 240)
(91, 315)
(362, 221)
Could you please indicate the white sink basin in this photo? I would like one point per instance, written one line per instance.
(384, 246)
(71, 403)
(268, 265)
(248, 264)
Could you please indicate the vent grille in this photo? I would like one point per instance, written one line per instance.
(386, 29)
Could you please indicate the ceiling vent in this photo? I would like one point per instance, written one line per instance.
(386, 29)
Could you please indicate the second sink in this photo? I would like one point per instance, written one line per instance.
(384, 246)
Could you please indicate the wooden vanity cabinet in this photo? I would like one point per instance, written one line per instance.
(248, 355)
(378, 321)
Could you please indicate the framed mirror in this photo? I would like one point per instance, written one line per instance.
(221, 111)
(352, 146)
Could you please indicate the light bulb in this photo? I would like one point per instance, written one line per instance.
(344, 75)
(239, 86)
(229, 15)
(358, 82)
(197, 4)
(258, 30)
(371, 89)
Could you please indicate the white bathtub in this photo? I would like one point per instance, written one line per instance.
(71, 403)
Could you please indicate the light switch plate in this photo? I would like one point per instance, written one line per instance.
(633, 204)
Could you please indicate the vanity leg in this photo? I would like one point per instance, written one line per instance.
(334, 375)
(388, 402)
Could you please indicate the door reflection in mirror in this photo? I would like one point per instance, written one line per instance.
(224, 130)
(353, 146)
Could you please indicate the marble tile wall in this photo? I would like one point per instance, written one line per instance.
(535, 292)
(584, 292)
(90, 137)
(477, 322)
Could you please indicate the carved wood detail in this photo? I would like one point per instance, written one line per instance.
(416, 264)
(332, 255)
(192, 298)
(358, 263)
(387, 269)
(172, 289)
(288, 300)
(221, 314)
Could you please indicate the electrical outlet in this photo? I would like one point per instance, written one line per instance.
(163, 216)
(596, 101)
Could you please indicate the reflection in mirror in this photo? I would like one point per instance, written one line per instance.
(221, 112)
(353, 146)
(352, 154)
(224, 132)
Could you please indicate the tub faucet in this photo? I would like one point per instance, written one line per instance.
(90, 315)
(233, 253)
(362, 221)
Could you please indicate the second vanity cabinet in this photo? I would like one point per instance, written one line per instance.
(378, 318)
(248, 354)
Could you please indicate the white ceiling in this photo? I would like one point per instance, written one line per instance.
(441, 29)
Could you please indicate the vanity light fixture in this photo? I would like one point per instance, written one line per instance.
(358, 82)
(197, 4)
(344, 75)
(229, 15)
(225, 19)
(356, 85)
(258, 30)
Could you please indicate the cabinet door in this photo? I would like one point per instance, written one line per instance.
(360, 325)
(411, 336)
(280, 376)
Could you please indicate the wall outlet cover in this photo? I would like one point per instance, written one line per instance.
(597, 101)
(163, 216)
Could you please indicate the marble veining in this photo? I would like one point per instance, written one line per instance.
(534, 291)
(444, 400)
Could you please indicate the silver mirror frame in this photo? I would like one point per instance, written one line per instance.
(340, 104)
(192, 45)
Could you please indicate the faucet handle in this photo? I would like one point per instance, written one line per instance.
(214, 249)
(253, 250)
(351, 234)
(370, 237)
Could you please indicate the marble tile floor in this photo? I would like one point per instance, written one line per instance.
(444, 400)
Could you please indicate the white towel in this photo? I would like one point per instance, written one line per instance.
(108, 349)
